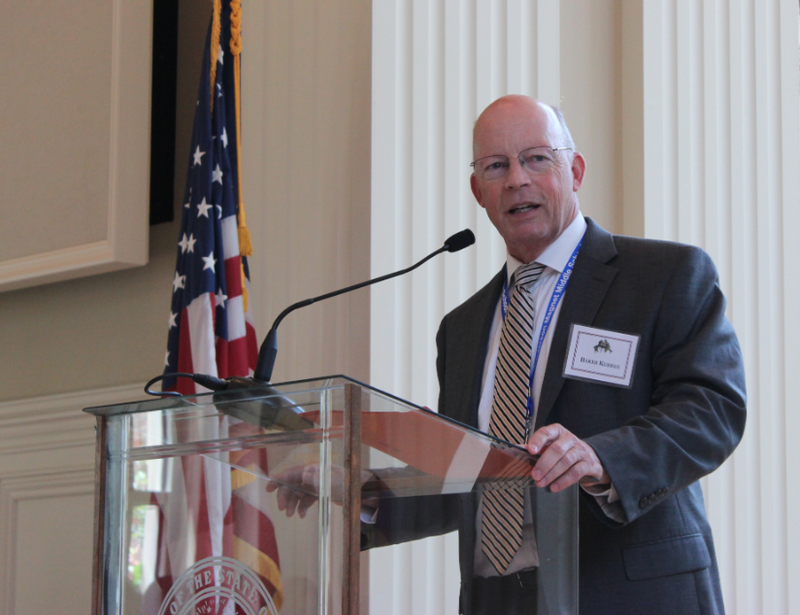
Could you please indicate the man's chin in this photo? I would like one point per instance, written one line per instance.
(526, 247)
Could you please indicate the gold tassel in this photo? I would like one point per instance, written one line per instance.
(245, 296)
(214, 46)
(245, 245)
(236, 27)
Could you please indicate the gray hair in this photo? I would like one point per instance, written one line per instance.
(567, 135)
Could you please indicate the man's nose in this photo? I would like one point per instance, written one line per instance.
(517, 176)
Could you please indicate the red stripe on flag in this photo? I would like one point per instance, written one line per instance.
(227, 532)
(184, 386)
(254, 527)
(194, 475)
(223, 367)
(163, 570)
(252, 346)
(233, 276)
(237, 357)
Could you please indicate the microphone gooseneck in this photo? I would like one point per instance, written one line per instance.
(269, 348)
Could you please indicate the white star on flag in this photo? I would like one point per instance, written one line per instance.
(220, 298)
(203, 208)
(172, 321)
(187, 244)
(224, 137)
(198, 155)
(216, 175)
(221, 55)
(219, 211)
(178, 282)
(209, 261)
(166, 359)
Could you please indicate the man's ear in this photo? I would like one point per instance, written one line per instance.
(578, 171)
(476, 189)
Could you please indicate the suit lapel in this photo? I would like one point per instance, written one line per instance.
(471, 344)
(587, 288)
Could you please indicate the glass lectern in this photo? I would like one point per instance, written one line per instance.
(194, 495)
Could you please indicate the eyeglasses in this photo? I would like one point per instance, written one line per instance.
(537, 160)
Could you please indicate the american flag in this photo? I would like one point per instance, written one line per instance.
(209, 510)
(209, 330)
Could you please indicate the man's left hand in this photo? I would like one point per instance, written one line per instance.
(564, 459)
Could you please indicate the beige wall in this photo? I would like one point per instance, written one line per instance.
(306, 91)
(94, 341)
(93, 332)
(306, 178)
(108, 329)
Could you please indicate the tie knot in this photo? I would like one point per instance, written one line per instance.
(527, 274)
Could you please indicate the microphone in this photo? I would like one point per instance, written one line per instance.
(459, 241)
(269, 348)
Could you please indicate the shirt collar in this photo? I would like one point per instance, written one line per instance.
(557, 254)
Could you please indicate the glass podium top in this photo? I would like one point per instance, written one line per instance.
(448, 457)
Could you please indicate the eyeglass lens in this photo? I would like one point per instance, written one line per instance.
(535, 160)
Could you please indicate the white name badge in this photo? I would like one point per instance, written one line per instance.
(601, 356)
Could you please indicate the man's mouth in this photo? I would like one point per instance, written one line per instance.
(523, 207)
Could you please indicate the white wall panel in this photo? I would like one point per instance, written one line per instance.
(721, 153)
(436, 65)
(47, 459)
(47, 522)
(76, 153)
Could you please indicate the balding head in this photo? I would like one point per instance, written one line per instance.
(524, 104)
(529, 204)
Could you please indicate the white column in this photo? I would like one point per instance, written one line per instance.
(721, 158)
(435, 65)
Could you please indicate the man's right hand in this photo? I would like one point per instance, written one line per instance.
(298, 488)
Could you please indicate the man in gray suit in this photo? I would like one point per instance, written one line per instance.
(636, 450)
(635, 434)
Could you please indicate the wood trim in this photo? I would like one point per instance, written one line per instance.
(351, 548)
(99, 516)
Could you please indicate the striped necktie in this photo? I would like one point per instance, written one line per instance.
(501, 531)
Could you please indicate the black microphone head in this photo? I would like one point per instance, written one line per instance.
(460, 240)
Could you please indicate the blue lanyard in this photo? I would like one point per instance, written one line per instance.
(558, 292)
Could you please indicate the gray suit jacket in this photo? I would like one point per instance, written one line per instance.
(682, 417)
